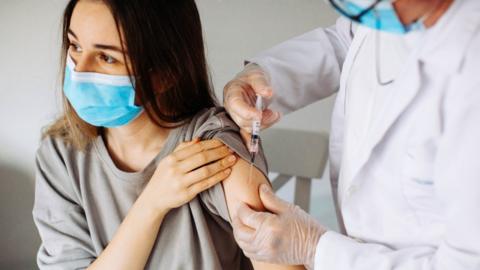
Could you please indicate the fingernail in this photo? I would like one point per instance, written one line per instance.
(267, 92)
(228, 171)
(231, 158)
(265, 188)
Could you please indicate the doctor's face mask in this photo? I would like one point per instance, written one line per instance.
(377, 14)
(99, 99)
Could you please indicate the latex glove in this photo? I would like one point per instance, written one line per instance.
(287, 235)
(239, 97)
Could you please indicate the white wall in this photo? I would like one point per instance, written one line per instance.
(237, 29)
(29, 46)
(28, 71)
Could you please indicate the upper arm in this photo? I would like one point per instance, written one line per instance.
(240, 189)
(59, 218)
(223, 200)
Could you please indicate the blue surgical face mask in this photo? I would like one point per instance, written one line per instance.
(99, 99)
(381, 17)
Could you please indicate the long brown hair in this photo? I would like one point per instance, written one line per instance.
(164, 41)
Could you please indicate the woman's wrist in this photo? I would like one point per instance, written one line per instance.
(150, 208)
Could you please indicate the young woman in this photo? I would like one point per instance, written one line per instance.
(129, 177)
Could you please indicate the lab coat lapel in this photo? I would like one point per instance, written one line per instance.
(448, 57)
(405, 89)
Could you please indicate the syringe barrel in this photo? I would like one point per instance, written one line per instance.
(256, 125)
(254, 142)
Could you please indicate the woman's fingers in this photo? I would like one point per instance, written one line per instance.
(185, 151)
(184, 145)
(201, 186)
(209, 170)
(203, 158)
(171, 177)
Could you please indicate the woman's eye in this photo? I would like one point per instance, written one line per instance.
(108, 59)
(75, 48)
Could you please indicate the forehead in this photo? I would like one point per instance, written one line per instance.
(93, 23)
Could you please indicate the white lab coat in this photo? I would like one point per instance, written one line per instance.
(411, 196)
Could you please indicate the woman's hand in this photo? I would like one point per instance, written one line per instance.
(192, 168)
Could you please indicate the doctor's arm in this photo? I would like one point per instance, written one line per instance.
(291, 75)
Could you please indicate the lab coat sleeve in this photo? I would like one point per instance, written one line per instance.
(306, 68)
(58, 215)
(457, 185)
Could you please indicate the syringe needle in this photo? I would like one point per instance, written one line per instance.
(250, 173)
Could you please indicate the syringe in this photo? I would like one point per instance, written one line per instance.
(256, 124)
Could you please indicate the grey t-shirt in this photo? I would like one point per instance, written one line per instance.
(82, 197)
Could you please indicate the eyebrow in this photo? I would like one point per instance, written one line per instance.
(100, 46)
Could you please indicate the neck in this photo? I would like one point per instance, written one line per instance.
(410, 11)
(134, 145)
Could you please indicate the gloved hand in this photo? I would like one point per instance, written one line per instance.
(239, 97)
(287, 235)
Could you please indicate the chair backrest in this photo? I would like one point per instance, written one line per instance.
(296, 153)
(299, 154)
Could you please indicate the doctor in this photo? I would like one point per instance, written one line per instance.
(405, 142)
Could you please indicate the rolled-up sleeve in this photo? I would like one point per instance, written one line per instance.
(221, 127)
